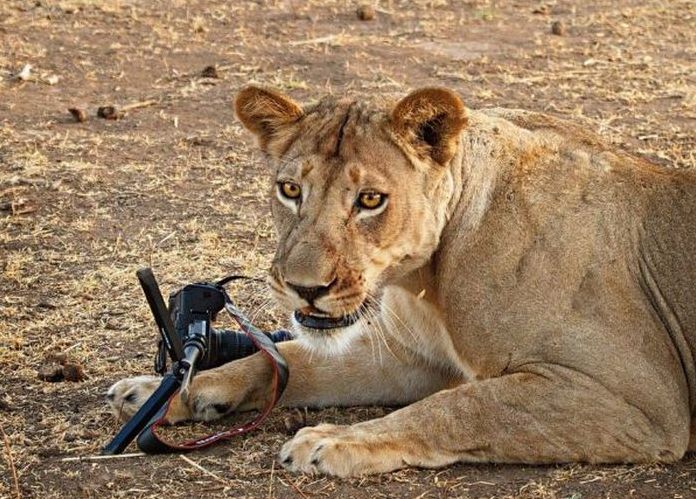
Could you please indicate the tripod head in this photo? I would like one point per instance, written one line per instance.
(185, 329)
(193, 309)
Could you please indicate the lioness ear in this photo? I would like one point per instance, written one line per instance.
(266, 113)
(430, 120)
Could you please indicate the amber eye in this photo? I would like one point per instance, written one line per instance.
(370, 200)
(290, 190)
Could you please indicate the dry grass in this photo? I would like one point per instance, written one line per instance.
(175, 185)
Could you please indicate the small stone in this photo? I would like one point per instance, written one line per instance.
(70, 436)
(51, 372)
(558, 28)
(210, 72)
(73, 372)
(294, 421)
(109, 113)
(366, 12)
(25, 73)
(46, 304)
(79, 114)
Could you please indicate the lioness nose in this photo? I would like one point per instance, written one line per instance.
(310, 294)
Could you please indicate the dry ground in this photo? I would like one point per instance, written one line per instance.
(175, 185)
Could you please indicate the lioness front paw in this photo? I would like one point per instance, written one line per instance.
(212, 395)
(126, 396)
(339, 450)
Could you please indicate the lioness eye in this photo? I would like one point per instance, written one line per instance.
(370, 200)
(290, 190)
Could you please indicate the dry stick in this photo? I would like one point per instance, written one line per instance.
(270, 481)
(101, 458)
(296, 487)
(137, 105)
(10, 461)
(323, 39)
(207, 472)
(384, 11)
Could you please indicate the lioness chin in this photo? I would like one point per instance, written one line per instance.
(526, 291)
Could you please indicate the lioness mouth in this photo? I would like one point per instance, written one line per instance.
(325, 322)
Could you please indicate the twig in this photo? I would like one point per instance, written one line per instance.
(270, 480)
(100, 458)
(207, 472)
(137, 105)
(383, 11)
(295, 486)
(311, 41)
(72, 347)
(166, 238)
(11, 464)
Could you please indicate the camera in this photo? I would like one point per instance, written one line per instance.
(188, 339)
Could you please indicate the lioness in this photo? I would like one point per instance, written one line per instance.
(525, 290)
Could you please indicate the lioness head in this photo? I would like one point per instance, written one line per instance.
(359, 194)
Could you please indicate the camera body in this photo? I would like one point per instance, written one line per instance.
(193, 309)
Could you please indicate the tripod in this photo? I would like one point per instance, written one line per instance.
(192, 344)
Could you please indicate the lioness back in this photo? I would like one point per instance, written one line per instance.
(643, 213)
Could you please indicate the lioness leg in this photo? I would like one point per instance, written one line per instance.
(549, 415)
(359, 376)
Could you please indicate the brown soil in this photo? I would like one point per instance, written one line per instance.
(172, 183)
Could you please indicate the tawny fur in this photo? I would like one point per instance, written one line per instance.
(533, 289)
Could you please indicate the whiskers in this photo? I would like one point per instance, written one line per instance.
(373, 325)
(392, 316)
(376, 320)
(261, 308)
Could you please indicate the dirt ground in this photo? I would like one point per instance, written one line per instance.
(175, 184)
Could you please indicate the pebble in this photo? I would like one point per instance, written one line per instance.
(210, 72)
(73, 372)
(79, 114)
(366, 12)
(294, 421)
(51, 372)
(109, 113)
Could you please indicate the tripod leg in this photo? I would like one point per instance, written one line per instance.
(157, 400)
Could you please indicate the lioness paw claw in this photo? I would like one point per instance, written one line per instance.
(205, 407)
(333, 450)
